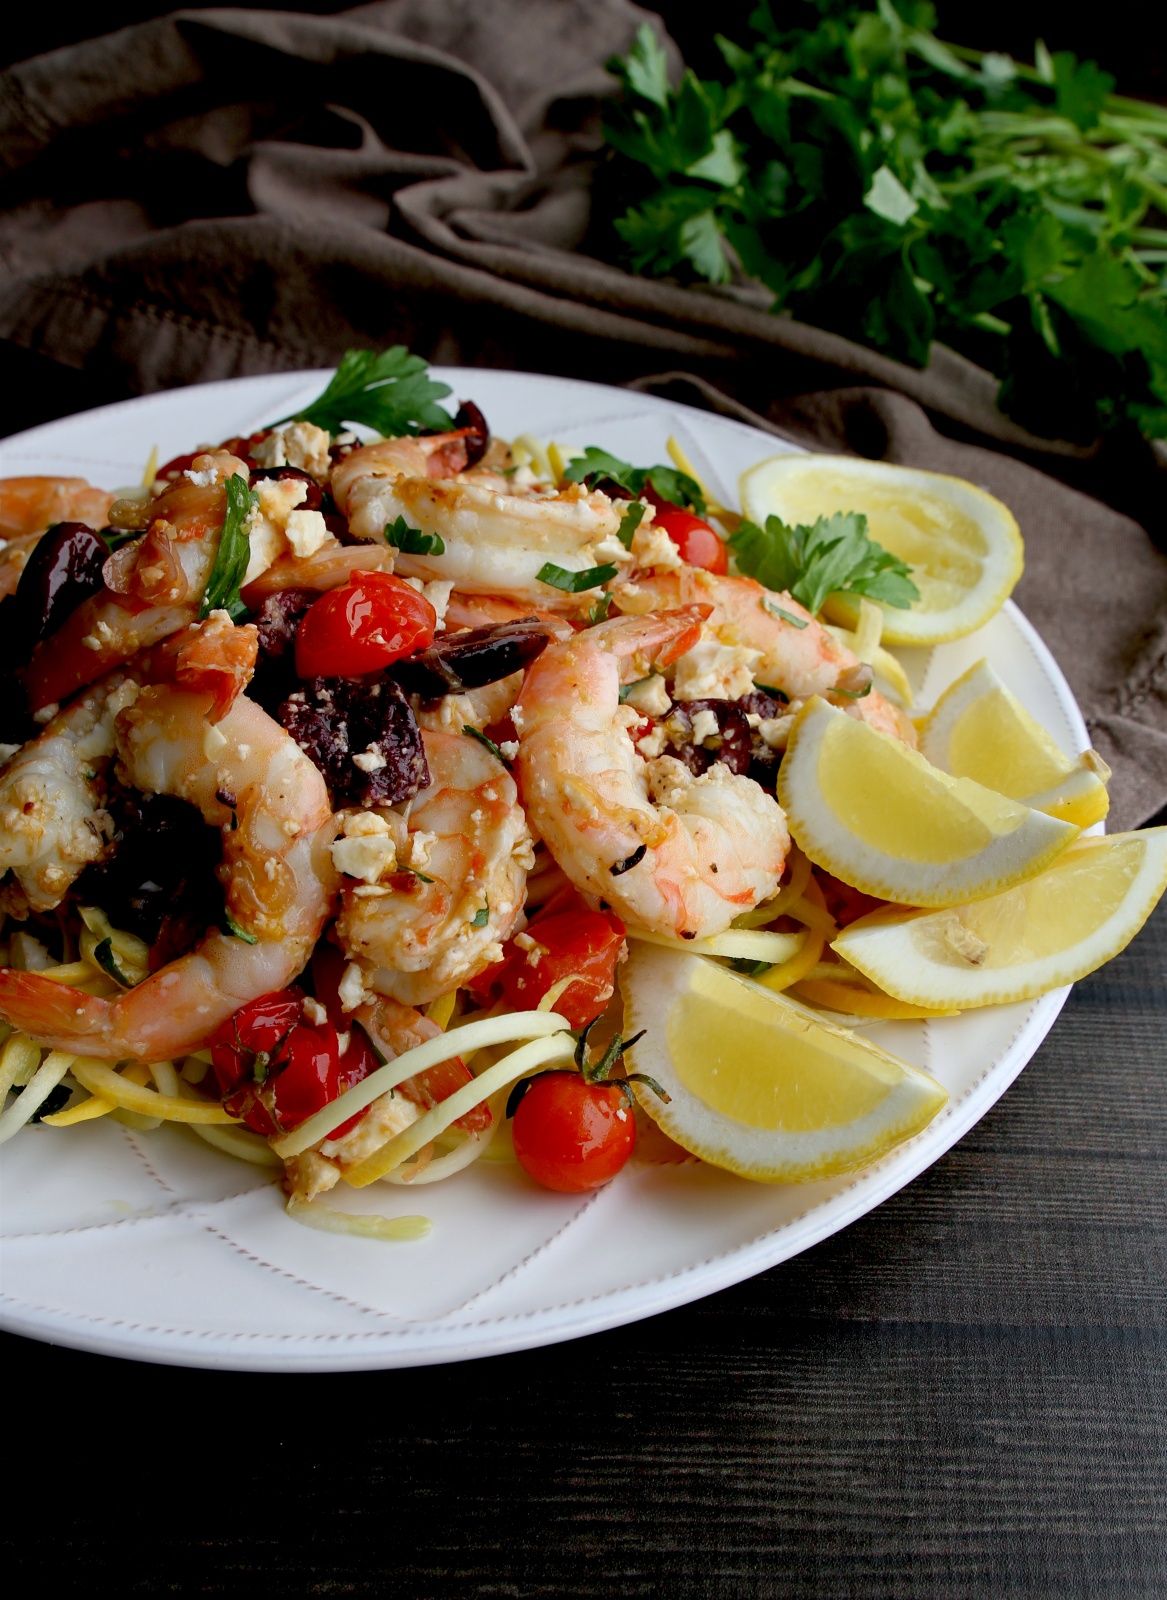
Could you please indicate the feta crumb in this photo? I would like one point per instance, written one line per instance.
(509, 749)
(306, 531)
(650, 697)
(420, 845)
(705, 726)
(611, 548)
(278, 497)
(214, 742)
(438, 594)
(371, 760)
(351, 990)
(652, 744)
(298, 444)
(715, 671)
(652, 547)
(314, 1011)
(367, 856)
(201, 480)
(775, 731)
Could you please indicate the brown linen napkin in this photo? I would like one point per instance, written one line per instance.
(230, 191)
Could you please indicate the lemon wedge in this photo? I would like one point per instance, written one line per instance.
(885, 821)
(963, 545)
(978, 730)
(757, 1084)
(1051, 930)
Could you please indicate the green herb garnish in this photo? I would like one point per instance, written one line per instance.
(476, 733)
(481, 918)
(835, 556)
(232, 928)
(391, 392)
(630, 521)
(598, 610)
(412, 542)
(107, 961)
(575, 582)
(596, 465)
(233, 554)
(786, 616)
(898, 190)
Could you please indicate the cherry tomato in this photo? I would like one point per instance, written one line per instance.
(275, 1068)
(696, 541)
(570, 940)
(572, 1135)
(372, 620)
(426, 1088)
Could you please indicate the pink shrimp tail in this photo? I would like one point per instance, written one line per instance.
(55, 1015)
(663, 636)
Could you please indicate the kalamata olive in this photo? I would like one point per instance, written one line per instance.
(63, 569)
(470, 659)
(276, 621)
(731, 744)
(363, 736)
(478, 439)
(314, 493)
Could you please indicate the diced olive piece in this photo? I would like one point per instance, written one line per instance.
(471, 659)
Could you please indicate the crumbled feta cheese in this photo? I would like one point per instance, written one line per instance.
(306, 531)
(438, 594)
(203, 479)
(650, 697)
(610, 548)
(652, 744)
(705, 726)
(367, 857)
(7, 751)
(509, 749)
(420, 845)
(370, 760)
(46, 713)
(775, 731)
(314, 1011)
(278, 498)
(715, 671)
(652, 547)
(298, 444)
(351, 990)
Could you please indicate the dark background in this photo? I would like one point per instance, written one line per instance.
(965, 1394)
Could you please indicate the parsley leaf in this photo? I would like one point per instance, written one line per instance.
(481, 917)
(233, 554)
(108, 962)
(412, 541)
(391, 392)
(574, 582)
(476, 733)
(834, 556)
(596, 465)
(234, 931)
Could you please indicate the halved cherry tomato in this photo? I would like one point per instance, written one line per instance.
(275, 1068)
(696, 542)
(427, 1088)
(371, 621)
(572, 1135)
(570, 940)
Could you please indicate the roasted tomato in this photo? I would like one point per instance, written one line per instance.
(275, 1068)
(566, 939)
(698, 543)
(372, 620)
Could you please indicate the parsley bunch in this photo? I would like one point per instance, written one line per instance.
(835, 556)
(895, 189)
(392, 393)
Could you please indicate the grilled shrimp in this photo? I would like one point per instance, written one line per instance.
(254, 783)
(30, 505)
(153, 587)
(445, 887)
(801, 661)
(669, 852)
(495, 540)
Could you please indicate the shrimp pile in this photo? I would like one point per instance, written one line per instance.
(290, 870)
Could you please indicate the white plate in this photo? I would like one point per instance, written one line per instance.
(155, 1247)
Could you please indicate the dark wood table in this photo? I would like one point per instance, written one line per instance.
(965, 1394)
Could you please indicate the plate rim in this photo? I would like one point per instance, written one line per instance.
(458, 1337)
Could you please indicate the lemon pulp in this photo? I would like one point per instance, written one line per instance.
(944, 546)
(891, 798)
(995, 741)
(800, 1081)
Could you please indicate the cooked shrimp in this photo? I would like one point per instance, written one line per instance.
(669, 852)
(254, 783)
(801, 661)
(327, 568)
(30, 505)
(52, 820)
(153, 587)
(495, 541)
(465, 849)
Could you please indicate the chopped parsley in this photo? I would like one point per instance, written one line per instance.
(233, 554)
(412, 542)
(575, 582)
(232, 928)
(475, 733)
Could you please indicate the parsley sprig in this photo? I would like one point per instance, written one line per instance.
(835, 556)
(391, 392)
(895, 189)
(596, 466)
